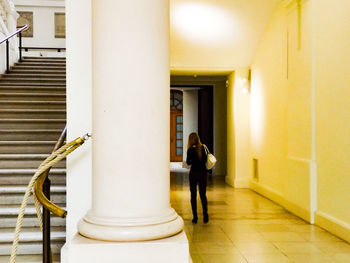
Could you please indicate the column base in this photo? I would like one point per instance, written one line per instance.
(128, 229)
(173, 249)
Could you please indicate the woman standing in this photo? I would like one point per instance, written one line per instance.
(196, 157)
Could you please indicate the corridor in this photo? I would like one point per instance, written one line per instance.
(246, 227)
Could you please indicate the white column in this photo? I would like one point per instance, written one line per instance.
(130, 199)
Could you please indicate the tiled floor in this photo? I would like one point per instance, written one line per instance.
(246, 227)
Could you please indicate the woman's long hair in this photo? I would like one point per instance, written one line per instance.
(194, 141)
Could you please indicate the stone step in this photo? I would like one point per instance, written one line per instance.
(33, 89)
(29, 134)
(32, 96)
(34, 248)
(21, 177)
(30, 147)
(41, 64)
(9, 213)
(31, 80)
(34, 104)
(30, 124)
(15, 83)
(31, 67)
(49, 59)
(25, 161)
(13, 75)
(32, 114)
(31, 235)
(29, 258)
(13, 195)
(57, 198)
(40, 58)
(13, 211)
(45, 60)
(37, 71)
(30, 221)
(30, 242)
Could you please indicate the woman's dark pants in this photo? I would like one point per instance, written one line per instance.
(200, 179)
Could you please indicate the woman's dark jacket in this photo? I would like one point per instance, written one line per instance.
(196, 161)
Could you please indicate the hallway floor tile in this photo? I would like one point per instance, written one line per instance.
(246, 227)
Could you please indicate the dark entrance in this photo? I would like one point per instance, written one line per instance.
(205, 113)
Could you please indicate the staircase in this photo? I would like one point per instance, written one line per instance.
(32, 116)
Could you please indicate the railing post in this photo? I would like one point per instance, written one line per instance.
(46, 225)
(7, 57)
(20, 46)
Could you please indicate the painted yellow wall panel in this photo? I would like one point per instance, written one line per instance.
(231, 159)
(239, 171)
(297, 183)
(268, 104)
(281, 108)
(333, 109)
(241, 106)
(299, 30)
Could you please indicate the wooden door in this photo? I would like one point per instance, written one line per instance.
(176, 136)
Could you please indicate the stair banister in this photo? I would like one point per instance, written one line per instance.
(6, 39)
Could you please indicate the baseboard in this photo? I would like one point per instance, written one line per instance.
(333, 225)
(279, 199)
(267, 192)
(298, 211)
(230, 181)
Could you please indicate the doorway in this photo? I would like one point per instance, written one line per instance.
(205, 118)
(176, 126)
(204, 112)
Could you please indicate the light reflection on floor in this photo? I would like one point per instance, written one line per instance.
(246, 227)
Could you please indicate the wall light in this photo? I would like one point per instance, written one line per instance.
(202, 22)
(245, 90)
(243, 80)
(245, 85)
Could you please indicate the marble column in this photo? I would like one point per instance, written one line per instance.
(130, 151)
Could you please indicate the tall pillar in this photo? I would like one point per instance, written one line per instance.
(130, 199)
(130, 138)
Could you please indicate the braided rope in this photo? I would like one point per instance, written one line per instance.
(50, 161)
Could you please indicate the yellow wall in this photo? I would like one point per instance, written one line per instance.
(231, 160)
(238, 135)
(281, 109)
(299, 108)
(333, 115)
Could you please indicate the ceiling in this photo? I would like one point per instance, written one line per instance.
(209, 35)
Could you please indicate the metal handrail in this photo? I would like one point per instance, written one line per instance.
(25, 27)
(43, 178)
(42, 192)
(19, 31)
